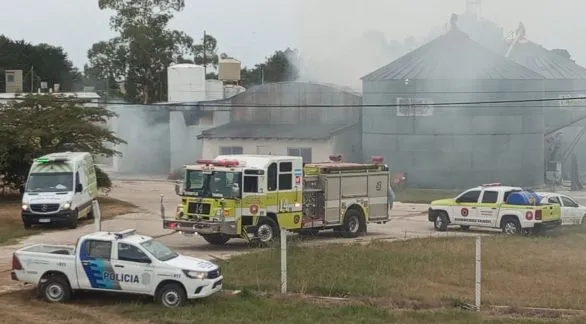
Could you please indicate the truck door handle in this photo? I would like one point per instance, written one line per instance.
(85, 262)
(119, 266)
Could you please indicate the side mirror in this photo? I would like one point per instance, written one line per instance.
(145, 260)
(458, 200)
(79, 187)
(179, 188)
(21, 189)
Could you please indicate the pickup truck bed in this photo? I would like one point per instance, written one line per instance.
(50, 249)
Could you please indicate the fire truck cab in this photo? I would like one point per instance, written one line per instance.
(253, 196)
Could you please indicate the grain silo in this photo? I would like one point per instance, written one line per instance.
(455, 146)
(564, 79)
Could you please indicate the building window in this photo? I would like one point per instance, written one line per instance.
(303, 152)
(10, 77)
(229, 150)
(285, 175)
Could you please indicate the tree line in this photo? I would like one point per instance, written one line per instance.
(136, 59)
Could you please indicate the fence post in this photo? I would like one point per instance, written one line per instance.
(283, 261)
(478, 272)
(97, 215)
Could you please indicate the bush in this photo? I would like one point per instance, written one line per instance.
(103, 179)
(176, 174)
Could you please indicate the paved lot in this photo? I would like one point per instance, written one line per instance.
(408, 221)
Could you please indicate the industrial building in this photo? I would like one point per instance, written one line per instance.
(458, 145)
(162, 137)
(290, 118)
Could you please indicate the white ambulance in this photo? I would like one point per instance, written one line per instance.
(60, 188)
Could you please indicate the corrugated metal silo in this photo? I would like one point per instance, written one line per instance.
(455, 146)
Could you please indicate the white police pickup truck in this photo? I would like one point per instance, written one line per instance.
(122, 262)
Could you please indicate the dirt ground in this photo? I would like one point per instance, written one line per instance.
(409, 221)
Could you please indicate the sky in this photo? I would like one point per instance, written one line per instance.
(251, 30)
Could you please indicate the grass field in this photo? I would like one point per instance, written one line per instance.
(12, 227)
(86, 309)
(517, 271)
(424, 196)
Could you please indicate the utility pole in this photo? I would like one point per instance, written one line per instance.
(205, 72)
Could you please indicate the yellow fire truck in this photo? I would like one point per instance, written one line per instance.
(253, 196)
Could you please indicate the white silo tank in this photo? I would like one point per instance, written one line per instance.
(214, 89)
(186, 82)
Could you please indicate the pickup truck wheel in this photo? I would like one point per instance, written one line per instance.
(171, 295)
(441, 222)
(511, 226)
(55, 290)
(216, 239)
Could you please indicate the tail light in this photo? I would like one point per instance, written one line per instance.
(16, 263)
(172, 225)
(538, 215)
(528, 215)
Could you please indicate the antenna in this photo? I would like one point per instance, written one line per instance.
(474, 7)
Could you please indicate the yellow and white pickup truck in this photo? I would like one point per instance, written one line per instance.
(512, 209)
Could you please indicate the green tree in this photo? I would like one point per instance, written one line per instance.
(206, 53)
(279, 67)
(41, 62)
(144, 48)
(35, 125)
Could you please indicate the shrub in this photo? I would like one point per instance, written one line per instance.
(103, 179)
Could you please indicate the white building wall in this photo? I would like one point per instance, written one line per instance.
(321, 150)
(185, 147)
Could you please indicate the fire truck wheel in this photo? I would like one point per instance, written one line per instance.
(216, 239)
(267, 231)
(353, 223)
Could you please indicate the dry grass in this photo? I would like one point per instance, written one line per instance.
(12, 227)
(23, 307)
(539, 271)
(424, 196)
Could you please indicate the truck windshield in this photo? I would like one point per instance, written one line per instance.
(50, 182)
(159, 250)
(213, 184)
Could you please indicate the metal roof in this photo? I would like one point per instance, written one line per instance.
(453, 55)
(545, 62)
(274, 131)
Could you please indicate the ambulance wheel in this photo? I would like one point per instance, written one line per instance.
(216, 239)
(441, 222)
(353, 223)
(267, 231)
(55, 289)
(171, 295)
(73, 221)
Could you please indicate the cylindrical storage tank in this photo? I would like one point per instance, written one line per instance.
(214, 90)
(186, 83)
(523, 198)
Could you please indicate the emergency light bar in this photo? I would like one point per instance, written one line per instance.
(494, 184)
(125, 233)
(206, 162)
(226, 163)
(50, 160)
(377, 159)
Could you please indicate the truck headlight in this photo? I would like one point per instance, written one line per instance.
(195, 274)
(24, 207)
(66, 205)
